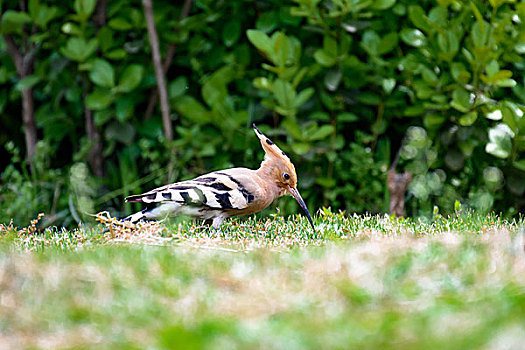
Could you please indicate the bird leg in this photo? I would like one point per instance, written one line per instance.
(214, 225)
(217, 222)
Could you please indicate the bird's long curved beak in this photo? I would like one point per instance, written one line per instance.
(293, 191)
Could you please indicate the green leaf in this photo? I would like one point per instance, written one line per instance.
(429, 76)
(136, 17)
(468, 119)
(480, 34)
(77, 49)
(105, 38)
(388, 43)
(231, 33)
(33, 7)
(84, 8)
(457, 206)
(388, 85)
(494, 115)
(520, 47)
(492, 68)
(192, 109)
(433, 120)
(325, 181)
(178, 87)
(284, 94)
(498, 77)
(460, 73)
(40, 13)
(371, 42)
(71, 29)
(119, 23)
(304, 96)
(424, 91)
(448, 43)
(438, 15)
(267, 21)
(262, 83)
(379, 126)
(497, 151)
(130, 78)
(519, 164)
(214, 91)
(506, 83)
(124, 107)
(260, 40)
(467, 146)
(454, 160)
(461, 100)
(413, 37)
(419, 18)
(330, 46)
(300, 148)
(500, 144)
(347, 117)
(414, 111)
(383, 4)
(320, 116)
(99, 99)
(116, 54)
(282, 49)
(323, 58)
(520, 141)
(332, 79)
(514, 109)
(468, 55)
(102, 73)
(321, 133)
(293, 129)
(103, 116)
(512, 115)
(27, 82)
(4, 75)
(369, 98)
(477, 14)
(122, 132)
(13, 21)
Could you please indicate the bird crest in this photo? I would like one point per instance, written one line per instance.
(281, 166)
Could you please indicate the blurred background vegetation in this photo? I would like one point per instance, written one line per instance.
(343, 86)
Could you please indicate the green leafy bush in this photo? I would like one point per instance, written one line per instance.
(436, 77)
(342, 85)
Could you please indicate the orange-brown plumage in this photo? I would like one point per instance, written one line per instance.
(226, 193)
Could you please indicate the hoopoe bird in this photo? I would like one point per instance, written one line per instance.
(222, 194)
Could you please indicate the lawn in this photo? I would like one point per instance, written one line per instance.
(358, 282)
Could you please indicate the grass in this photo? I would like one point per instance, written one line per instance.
(358, 282)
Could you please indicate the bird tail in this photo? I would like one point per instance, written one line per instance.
(140, 215)
(133, 218)
(146, 214)
(135, 198)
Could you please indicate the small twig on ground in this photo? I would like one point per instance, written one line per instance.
(125, 229)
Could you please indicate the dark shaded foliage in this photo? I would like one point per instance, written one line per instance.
(340, 86)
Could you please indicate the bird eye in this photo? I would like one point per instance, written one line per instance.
(286, 176)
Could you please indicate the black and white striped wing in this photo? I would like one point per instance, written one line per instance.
(217, 190)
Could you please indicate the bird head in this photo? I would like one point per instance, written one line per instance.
(281, 170)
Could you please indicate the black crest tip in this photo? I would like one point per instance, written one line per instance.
(257, 129)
